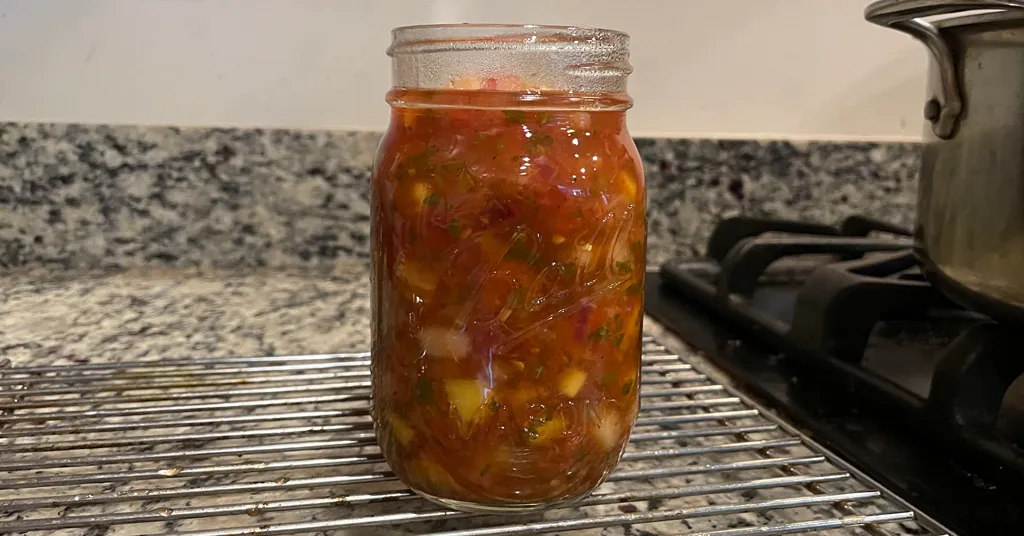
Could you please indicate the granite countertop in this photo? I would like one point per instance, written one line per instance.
(95, 196)
(58, 317)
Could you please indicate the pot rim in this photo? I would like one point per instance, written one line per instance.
(981, 21)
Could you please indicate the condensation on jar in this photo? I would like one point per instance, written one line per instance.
(509, 240)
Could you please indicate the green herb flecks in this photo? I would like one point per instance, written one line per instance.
(635, 289)
(485, 470)
(454, 228)
(520, 251)
(567, 271)
(624, 267)
(419, 164)
(457, 173)
(464, 179)
(494, 406)
(432, 200)
(583, 453)
(550, 414)
(538, 372)
(539, 143)
(451, 167)
(517, 117)
(516, 298)
(600, 334)
(617, 323)
(627, 387)
(424, 391)
(617, 340)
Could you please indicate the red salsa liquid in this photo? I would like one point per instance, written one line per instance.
(508, 280)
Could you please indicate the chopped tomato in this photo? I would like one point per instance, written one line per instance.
(509, 250)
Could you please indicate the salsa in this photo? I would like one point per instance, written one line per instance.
(508, 275)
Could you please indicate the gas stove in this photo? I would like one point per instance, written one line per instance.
(836, 328)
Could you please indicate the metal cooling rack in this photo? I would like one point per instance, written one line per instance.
(284, 445)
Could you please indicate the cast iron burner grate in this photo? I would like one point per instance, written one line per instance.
(284, 445)
(848, 338)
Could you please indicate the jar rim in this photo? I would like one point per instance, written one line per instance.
(502, 26)
(419, 38)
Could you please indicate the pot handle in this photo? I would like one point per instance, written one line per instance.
(943, 112)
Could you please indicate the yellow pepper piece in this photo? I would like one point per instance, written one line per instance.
(550, 430)
(409, 118)
(402, 431)
(428, 469)
(633, 325)
(467, 397)
(418, 193)
(627, 185)
(571, 381)
(420, 278)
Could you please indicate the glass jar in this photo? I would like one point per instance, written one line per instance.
(509, 238)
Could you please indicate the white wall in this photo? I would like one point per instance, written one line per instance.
(737, 68)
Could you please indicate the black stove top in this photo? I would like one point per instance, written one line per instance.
(836, 328)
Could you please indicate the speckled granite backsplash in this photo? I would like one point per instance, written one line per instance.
(99, 196)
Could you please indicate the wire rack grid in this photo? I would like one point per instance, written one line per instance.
(285, 445)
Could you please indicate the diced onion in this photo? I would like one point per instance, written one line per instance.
(503, 83)
(584, 256)
(444, 343)
(580, 121)
(608, 429)
(621, 253)
(504, 314)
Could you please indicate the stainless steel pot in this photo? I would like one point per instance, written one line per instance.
(970, 222)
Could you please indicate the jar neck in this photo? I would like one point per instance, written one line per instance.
(523, 60)
(502, 100)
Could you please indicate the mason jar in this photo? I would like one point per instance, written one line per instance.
(509, 238)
